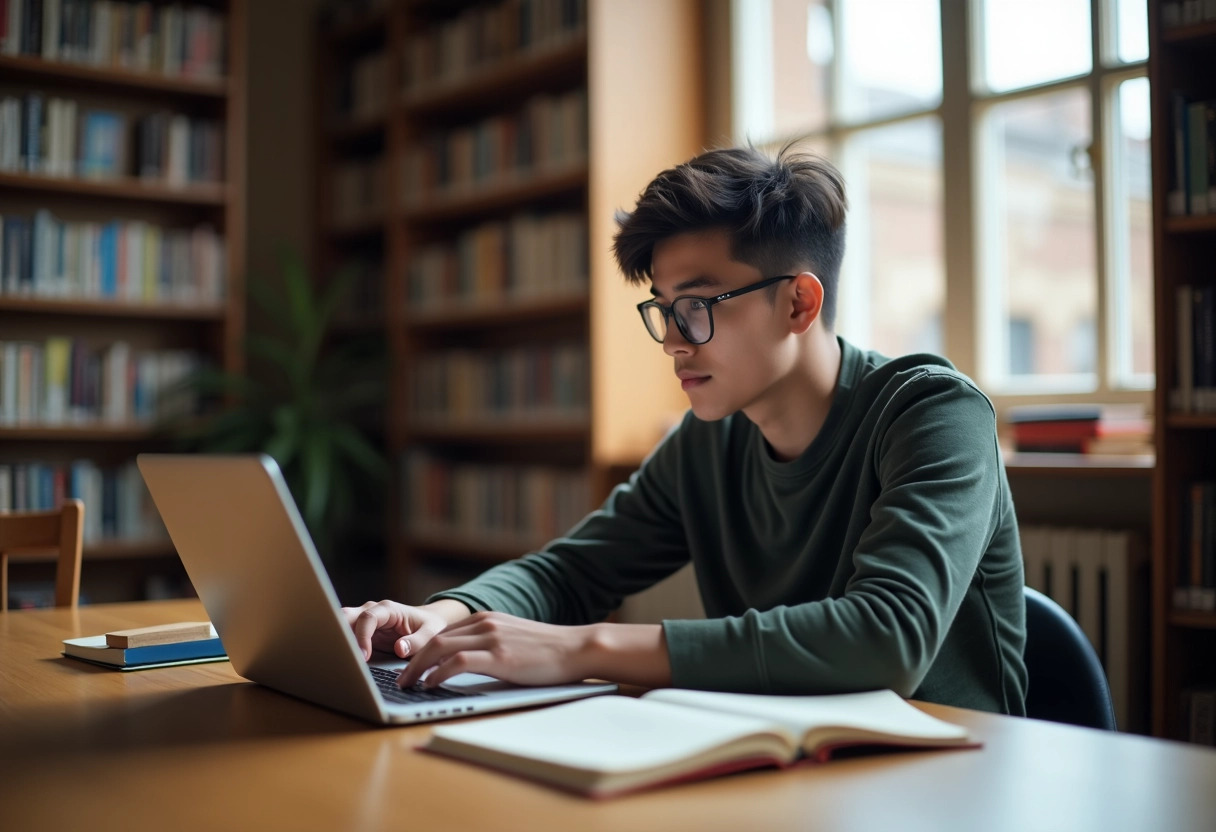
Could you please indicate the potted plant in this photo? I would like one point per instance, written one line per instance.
(309, 405)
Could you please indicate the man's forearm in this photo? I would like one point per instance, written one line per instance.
(632, 654)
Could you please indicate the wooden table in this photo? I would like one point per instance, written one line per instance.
(199, 748)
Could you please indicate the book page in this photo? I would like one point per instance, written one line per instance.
(614, 734)
(874, 713)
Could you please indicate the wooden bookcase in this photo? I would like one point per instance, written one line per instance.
(117, 568)
(1182, 61)
(624, 81)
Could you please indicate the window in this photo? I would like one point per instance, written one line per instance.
(999, 195)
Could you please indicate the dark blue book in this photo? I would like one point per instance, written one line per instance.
(94, 649)
(1023, 414)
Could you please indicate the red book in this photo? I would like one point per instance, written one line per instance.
(1054, 432)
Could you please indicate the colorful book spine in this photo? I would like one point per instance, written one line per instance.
(520, 506)
(522, 385)
(170, 40)
(64, 380)
(118, 260)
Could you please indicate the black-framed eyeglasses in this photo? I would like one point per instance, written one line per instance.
(694, 315)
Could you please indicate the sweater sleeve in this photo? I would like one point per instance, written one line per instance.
(939, 471)
(634, 540)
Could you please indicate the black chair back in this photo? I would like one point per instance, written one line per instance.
(1067, 682)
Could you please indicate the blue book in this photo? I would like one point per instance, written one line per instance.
(94, 649)
(108, 257)
(101, 145)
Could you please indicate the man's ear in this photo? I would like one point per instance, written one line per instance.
(807, 302)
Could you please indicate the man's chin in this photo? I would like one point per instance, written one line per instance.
(708, 411)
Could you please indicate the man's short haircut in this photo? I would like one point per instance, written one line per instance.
(783, 215)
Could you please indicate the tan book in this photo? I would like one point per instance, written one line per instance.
(160, 634)
(610, 745)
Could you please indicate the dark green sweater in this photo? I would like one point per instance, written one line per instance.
(885, 556)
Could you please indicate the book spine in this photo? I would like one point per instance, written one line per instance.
(1197, 158)
(1209, 117)
(172, 652)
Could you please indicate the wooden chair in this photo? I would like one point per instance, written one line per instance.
(42, 531)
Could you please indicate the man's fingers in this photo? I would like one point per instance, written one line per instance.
(409, 645)
(370, 620)
(435, 653)
(466, 661)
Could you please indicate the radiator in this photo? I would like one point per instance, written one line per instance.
(1095, 575)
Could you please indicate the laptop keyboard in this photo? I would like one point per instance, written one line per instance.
(386, 681)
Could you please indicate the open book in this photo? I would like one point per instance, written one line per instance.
(608, 745)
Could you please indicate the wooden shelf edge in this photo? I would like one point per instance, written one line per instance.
(486, 80)
(114, 77)
(1140, 465)
(127, 187)
(1192, 619)
(80, 433)
(1192, 224)
(1191, 421)
(102, 550)
(504, 430)
(502, 194)
(1189, 32)
(109, 308)
(500, 310)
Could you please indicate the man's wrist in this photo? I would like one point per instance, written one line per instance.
(633, 654)
(449, 609)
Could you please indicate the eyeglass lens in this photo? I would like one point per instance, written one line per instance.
(692, 318)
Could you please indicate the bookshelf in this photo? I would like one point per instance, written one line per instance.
(508, 132)
(122, 193)
(1182, 70)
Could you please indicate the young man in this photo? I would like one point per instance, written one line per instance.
(848, 515)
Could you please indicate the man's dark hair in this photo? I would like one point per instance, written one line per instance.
(783, 215)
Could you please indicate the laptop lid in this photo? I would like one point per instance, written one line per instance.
(249, 556)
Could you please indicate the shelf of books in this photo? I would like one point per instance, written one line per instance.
(121, 236)
(457, 159)
(1182, 71)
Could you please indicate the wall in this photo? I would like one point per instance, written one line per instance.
(280, 155)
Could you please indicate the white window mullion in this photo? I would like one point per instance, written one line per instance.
(959, 325)
(1098, 160)
(752, 81)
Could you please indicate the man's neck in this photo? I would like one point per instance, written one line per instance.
(794, 412)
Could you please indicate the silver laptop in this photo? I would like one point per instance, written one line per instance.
(254, 566)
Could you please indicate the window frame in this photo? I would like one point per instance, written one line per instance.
(960, 115)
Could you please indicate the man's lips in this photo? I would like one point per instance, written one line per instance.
(690, 379)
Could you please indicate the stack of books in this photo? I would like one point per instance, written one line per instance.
(1081, 429)
(165, 645)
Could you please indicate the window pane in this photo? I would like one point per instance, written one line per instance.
(783, 52)
(1027, 42)
(893, 282)
(1131, 30)
(891, 57)
(1037, 241)
(1131, 239)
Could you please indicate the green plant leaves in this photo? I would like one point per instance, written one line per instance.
(307, 414)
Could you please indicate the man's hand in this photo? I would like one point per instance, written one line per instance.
(400, 629)
(531, 653)
(505, 647)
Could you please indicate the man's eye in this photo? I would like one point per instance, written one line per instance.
(698, 305)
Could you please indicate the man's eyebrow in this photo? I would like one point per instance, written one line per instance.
(702, 282)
